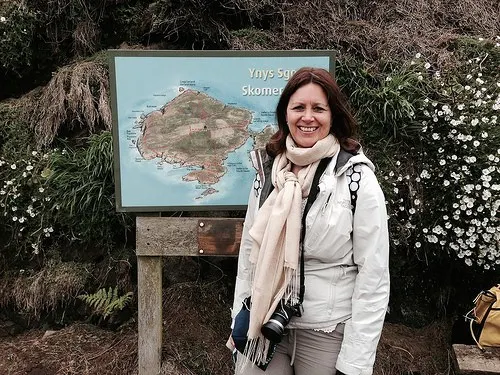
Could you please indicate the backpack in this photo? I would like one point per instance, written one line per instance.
(485, 318)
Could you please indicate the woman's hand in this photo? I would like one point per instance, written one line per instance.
(230, 343)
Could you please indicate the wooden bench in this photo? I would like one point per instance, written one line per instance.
(470, 360)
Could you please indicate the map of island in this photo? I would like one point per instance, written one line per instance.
(194, 130)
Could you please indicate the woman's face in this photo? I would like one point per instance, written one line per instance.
(308, 115)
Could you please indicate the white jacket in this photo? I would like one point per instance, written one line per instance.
(346, 270)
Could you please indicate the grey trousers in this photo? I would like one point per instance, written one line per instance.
(313, 353)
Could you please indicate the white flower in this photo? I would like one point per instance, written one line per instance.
(13, 166)
(432, 238)
(470, 159)
(29, 167)
(484, 134)
(425, 174)
(437, 229)
(446, 183)
(388, 79)
(417, 244)
(41, 190)
(411, 211)
(418, 55)
(34, 153)
(22, 219)
(460, 107)
(427, 65)
(3, 19)
(416, 202)
(474, 122)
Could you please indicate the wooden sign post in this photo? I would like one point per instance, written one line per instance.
(165, 236)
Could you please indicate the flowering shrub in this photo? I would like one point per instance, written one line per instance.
(24, 202)
(62, 194)
(17, 25)
(445, 192)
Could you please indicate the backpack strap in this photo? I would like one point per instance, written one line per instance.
(353, 179)
(268, 185)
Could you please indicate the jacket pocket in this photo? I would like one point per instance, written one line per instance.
(329, 235)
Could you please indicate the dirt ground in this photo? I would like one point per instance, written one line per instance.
(196, 323)
(86, 349)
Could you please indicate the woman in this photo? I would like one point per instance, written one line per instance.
(344, 249)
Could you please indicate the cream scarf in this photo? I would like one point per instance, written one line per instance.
(276, 236)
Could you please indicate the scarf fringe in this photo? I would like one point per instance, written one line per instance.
(255, 354)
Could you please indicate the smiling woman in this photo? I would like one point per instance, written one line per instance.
(308, 115)
(318, 88)
(310, 284)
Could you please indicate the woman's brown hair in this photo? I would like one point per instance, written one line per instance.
(343, 122)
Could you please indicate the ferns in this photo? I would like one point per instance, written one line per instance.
(108, 302)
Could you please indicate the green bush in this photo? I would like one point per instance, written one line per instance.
(17, 26)
(80, 181)
(60, 195)
(24, 202)
(444, 192)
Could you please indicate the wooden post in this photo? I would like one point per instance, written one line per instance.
(164, 236)
(150, 314)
